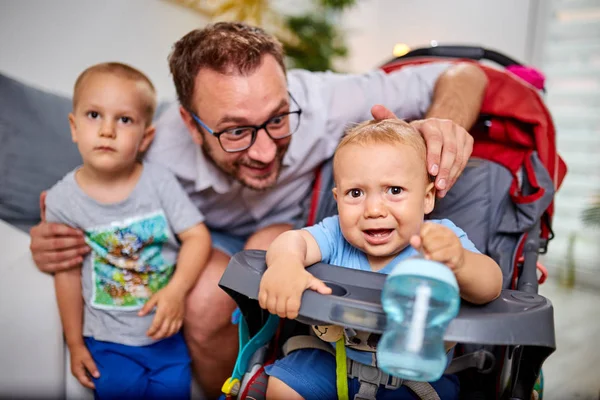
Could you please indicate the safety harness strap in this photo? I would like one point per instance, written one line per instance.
(422, 389)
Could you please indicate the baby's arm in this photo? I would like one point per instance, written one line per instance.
(170, 301)
(478, 276)
(286, 278)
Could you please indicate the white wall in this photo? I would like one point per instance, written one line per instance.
(48, 43)
(374, 26)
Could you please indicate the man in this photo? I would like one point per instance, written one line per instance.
(245, 140)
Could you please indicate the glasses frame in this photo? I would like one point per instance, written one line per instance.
(255, 128)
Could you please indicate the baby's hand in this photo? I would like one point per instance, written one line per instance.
(440, 243)
(170, 303)
(83, 364)
(281, 289)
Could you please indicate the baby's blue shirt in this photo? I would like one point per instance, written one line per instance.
(336, 250)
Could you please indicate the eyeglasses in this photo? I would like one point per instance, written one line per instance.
(241, 138)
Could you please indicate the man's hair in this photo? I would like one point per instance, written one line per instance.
(122, 71)
(388, 131)
(225, 47)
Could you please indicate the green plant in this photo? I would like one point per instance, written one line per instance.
(317, 43)
(311, 40)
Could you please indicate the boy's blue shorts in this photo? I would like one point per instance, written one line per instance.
(158, 371)
(311, 373)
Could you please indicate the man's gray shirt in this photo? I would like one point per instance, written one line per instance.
(330, 103)
(134, 249)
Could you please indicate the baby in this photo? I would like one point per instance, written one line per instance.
(383, 192)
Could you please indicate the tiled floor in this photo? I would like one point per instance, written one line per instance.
(572, 372)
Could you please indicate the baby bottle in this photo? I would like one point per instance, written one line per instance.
(420, 298)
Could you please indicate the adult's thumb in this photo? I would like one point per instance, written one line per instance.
(380, 112)
(43, 206)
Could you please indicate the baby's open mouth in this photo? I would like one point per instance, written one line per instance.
(378, 232)
(377, 236)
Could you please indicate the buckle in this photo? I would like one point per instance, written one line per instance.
(231, 387)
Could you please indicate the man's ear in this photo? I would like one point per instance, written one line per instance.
(73, 127)
(429, 201)
(191, 125)
(147, 139)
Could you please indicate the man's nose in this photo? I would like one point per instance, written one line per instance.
(374, 207)
(263, 149)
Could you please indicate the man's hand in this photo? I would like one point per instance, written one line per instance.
(56, 247)
(449, 147)
(281, 289)
(440, 243)
(169, 302)
(83, 364)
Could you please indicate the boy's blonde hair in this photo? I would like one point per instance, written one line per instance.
(387, 131)
(123, 71)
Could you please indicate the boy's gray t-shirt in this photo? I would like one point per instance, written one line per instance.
(134, 249)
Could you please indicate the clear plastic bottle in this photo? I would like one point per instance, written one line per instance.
(420, 298)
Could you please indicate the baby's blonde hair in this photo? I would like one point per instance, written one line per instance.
(123, 71)
(388, 131)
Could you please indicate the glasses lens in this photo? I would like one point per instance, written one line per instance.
(236, 139)
(283, 125)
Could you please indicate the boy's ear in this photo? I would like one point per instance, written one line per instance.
(147, 139)
(429, 201)
(334, 191)
(191, 125)
(73, 127)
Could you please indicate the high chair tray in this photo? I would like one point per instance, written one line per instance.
(515, 318)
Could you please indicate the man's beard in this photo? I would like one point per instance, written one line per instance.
(233, 170)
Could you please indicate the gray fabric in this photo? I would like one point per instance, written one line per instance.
(35, 148)
(134, 249)
(329, 103)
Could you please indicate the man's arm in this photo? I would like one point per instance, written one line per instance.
(458, 94)
(457, 97)
(455, 105)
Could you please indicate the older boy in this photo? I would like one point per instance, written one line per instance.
(131, 289)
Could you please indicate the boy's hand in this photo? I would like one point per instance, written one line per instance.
(170, 303)
(82, 363)
(440, 243)
(281, 289)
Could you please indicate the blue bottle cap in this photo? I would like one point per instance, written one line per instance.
(419, 266)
